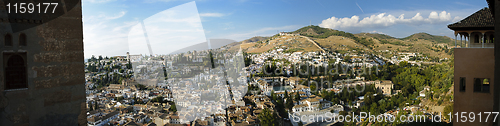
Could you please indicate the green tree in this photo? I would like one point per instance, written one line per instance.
(211, 59)
(343, 113)
(313, 85)
(157, 99)
(141, 87)
(96, 105)
(289, 102)
(92, 59)
(267, 118)
(285, 95)
(129, 65)
(448, 109)
(320, 106)
(297, 96)
(119, 98)
(91, 108)
(173, 108)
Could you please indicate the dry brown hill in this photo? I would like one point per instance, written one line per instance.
(290, 43)
(255, 39)
(340, 41)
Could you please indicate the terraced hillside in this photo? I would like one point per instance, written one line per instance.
(340, 41)
(288, 43)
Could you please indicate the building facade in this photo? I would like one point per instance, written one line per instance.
(42, 75)
(385, 87)
(474, 64)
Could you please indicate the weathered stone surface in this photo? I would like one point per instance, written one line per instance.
(74, 56)
(82, 118)
(55, 45)
(47, 83)
(23, 124)
(19, 114)
(54, 119)
(56, 73)
(58, 70)
(63, 27)
(16, 94)
(74, 80)
(3, 101)
(19, 118)
(1, 81)
(60, 81)
(77, 97)
(57, 97)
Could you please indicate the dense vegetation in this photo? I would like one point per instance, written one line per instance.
(325, 33)
(426, 36)
(377, 35)
(255, 39)
(385, 41)
(293, 50)
(322, 32)
(410, 80)
(406, 77)
(107, 78)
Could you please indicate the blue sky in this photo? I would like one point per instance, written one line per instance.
(107, 22)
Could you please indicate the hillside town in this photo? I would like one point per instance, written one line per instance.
(236, 88)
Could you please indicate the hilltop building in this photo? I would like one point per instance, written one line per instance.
(385, 87)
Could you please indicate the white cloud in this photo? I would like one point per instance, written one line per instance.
(104, 17)
(103, 35)
(457, 18)
(211, 14)
(382, 20)
(119, 15)
(106, 34)
(167, 31)
(374, 31)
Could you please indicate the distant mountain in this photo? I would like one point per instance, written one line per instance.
(319, 32)
(255, 39)
(340, 41)
(214, 44)
(433, 38)
(377, 35)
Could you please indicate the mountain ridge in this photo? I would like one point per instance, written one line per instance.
(341, 41)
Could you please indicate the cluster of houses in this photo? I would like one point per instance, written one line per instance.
(205, 95)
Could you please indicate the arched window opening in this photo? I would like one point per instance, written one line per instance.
(8, 40)
(15, 72)
(22, 40)
(482, 85)
(491, 39)
(476, 38)
(486, 85)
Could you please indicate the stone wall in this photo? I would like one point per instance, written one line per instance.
(55, 71)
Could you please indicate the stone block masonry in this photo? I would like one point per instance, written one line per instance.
(54, 64)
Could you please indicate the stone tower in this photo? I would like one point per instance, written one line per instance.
(42, 69)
